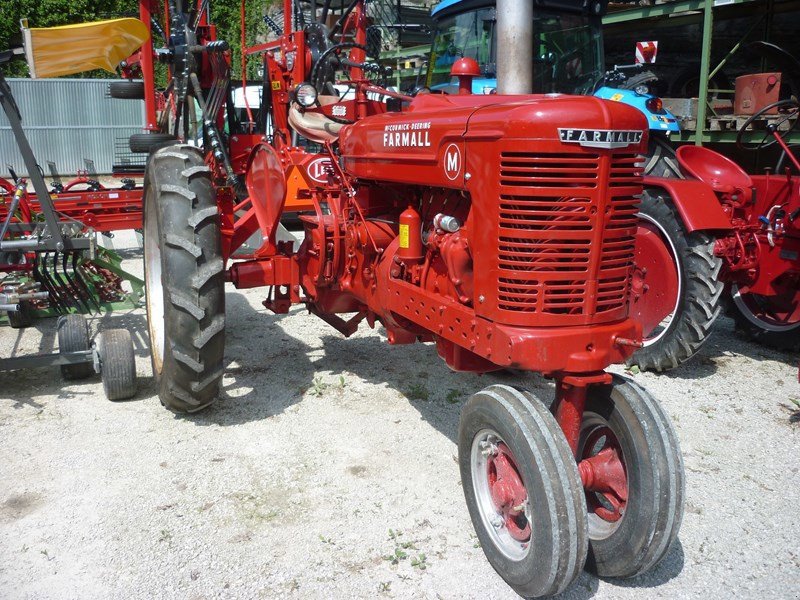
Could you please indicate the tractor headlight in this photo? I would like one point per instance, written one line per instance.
(306, 95)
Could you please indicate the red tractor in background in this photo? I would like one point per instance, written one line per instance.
(737, 243)
(501, 228)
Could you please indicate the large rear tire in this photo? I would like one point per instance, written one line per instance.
(184, 279)
(523, 490)
(676, 293)
(662, 161)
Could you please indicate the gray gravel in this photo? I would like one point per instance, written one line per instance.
(324, 456)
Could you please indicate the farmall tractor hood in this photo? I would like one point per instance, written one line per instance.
(428, 144)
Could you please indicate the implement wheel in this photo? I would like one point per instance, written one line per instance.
(523, 490)
(184, 279)
(73, 336)
(676, 293)
(633, 472)
(126, 90)
(117, 364)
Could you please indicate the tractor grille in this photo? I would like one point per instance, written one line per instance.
(566, 232)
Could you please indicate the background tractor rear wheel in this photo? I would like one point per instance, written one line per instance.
(523, 490)
(676, 293)
(144, 143)
(631, 532)
(117, 364)
(126, 90)
(770, 320)
(184, 279)
(73, 336)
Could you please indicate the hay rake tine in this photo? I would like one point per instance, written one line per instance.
(64, 288)
(52, 284)
(77, 268)
(46, 283)
(73, 286)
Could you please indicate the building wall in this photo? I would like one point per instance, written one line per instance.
(69, 120)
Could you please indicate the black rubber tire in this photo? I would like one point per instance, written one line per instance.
(126, 90)
(73, 336)
(700, 301)
(656, 483)
(644, 77)
(662, 161)
(550, 475)
(786, 339)
(180, 212)
(117, 364)
(144, 143)
(22, 318)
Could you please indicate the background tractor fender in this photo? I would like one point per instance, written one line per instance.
(696, 202)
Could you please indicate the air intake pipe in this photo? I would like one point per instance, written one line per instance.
(514, 46)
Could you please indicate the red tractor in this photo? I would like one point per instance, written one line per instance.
(737, 243)
(501, 228)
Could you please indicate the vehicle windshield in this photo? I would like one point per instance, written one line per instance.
(568, 51)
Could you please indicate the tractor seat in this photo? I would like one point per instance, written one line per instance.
(315, 126)
(721, 173)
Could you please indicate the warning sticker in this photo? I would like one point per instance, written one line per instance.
(403, 235)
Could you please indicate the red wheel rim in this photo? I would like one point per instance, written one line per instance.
(771, 313)
(656, 284)
(603, 473)
(508, 492)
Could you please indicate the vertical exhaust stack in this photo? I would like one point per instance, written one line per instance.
(514, 46)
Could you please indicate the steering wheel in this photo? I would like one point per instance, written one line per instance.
(790, 107)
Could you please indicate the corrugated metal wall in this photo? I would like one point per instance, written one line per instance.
(68, 120)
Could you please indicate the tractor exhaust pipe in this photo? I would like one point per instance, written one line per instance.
(514, 46)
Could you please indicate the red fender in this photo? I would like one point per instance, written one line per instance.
(266, 185)
(696, 202)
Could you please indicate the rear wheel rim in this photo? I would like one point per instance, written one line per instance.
(767, 313)
(657, 268)
(502, 500)
(153, 286)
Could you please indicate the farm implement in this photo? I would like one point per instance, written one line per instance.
(501, 228)
(51, 265)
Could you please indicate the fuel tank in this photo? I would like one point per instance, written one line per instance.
(426, 144)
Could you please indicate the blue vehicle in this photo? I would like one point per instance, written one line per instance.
(569, 59)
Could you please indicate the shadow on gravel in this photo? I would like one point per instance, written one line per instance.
(669, 568)
(135, 322)
(725, 344)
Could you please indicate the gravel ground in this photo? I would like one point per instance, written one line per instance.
(325, 456)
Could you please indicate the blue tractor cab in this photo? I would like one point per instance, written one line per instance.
(569, 59)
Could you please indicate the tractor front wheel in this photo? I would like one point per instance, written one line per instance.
(675, 292)
(184, 279)
(629, 448)
(523, 490)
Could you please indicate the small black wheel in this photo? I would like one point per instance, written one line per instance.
(634, 520)
(676, 293)
(22, 318)
(184, 279)
(144, 143)
(126, 90)
(523, 490)
(787, 109)
(641, 83)
(73, 336)
(662, 160)
(117, 363)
